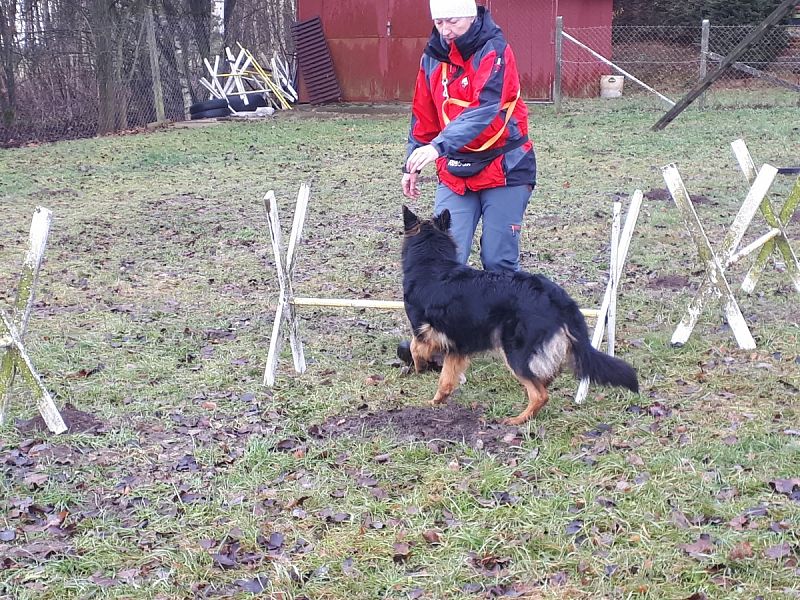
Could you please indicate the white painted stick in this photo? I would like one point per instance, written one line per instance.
(296, 234)
(603, 59)
(37, 242)
(44, 400)
(744, 159)
(752, 247)
(211, 89)
(275, 340)
(614, 279)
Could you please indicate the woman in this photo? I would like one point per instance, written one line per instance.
(468, 118)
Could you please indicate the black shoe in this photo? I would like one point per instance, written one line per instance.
(404, 354)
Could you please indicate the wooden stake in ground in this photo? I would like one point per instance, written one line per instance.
(715, 282)
(758, 32)
(778, 237)
(285, 310)
(620, 243)
(13, 356)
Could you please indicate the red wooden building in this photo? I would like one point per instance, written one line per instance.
(376, 44)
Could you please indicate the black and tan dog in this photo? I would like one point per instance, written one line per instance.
(531, 321)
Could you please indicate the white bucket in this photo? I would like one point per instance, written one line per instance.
(611, 86)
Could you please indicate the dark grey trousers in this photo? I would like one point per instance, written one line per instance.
(501, 209)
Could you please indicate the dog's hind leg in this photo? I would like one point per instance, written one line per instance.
(537, 398)
(451, 376)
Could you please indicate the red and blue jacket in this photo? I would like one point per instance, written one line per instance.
(467, 104)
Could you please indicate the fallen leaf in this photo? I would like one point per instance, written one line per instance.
(224, 561)
(253, 586)
(741, 551)
(702, 548)
(679, 520)
(83, 373)
(432, 536)
(785, 486)
(35, 480)
(7, 535)
(777, 552)
(401, 551)
(574, 527)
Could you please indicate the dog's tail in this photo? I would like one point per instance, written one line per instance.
(597, 366)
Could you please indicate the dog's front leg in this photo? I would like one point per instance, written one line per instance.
(421, 353)
(451, 376)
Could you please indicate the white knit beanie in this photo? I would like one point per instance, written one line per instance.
(448, 9)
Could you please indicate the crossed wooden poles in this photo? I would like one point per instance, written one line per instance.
(715, 283)
(13, 356)
(288, 302)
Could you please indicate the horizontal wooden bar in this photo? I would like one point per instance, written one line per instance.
(384, 304)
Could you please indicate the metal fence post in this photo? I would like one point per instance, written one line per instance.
(706, 28)
(557, 71)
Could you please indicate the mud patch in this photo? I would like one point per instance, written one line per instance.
(448, 424)
(664, 195)
(76, 421)
(669, 282)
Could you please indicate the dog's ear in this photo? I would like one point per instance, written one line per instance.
(410, 220)
(442, 222)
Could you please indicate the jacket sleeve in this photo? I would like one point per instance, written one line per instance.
(424, 120)
(493, 75)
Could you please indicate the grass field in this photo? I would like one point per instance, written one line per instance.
(192, 480)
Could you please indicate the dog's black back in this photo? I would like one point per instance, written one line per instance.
(536, 324)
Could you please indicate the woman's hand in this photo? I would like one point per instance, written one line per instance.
(411, 185)
(421, 157)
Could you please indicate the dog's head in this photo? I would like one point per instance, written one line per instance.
(427, 239)
(413, 225)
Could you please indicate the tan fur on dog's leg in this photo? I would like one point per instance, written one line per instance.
(451, 376)
(537, 398)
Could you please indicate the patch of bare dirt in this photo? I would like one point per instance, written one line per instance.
(664, 195)
(669, 282)
(76, 421)
(447, 424)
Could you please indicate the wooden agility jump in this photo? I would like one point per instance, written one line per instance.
(14, 358)
(715, 282)
(286, 310)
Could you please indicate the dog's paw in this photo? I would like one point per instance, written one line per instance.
(513, 421)
(439, 399)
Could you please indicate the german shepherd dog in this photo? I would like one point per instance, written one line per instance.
(460, 311)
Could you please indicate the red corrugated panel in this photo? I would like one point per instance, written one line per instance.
(314, 61)
(528, 26)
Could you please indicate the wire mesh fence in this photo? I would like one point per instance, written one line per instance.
(671, 60)
(74, 70)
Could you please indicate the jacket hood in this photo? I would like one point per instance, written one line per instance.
(481, 31)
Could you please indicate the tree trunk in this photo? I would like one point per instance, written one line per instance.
(181, 60)
(8, 93)
(101, 19)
